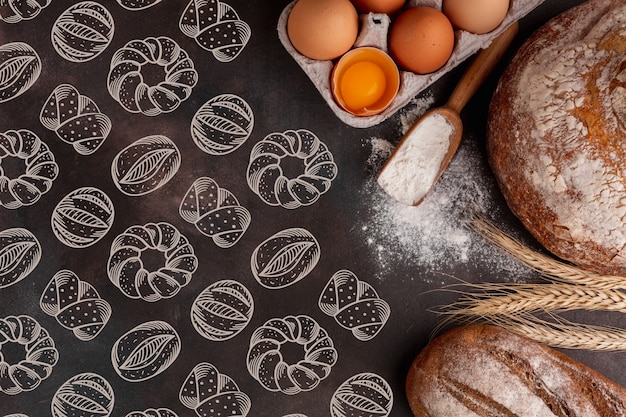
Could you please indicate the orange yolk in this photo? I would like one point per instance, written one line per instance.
(362, 84)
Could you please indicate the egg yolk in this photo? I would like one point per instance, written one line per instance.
(362, 84)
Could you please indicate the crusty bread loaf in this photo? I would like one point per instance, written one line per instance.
(556, 135)
(481, 370)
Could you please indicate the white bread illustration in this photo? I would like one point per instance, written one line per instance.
(267, 365)
(222, 310)
(83, 395)
(126, 267)
(355, 305)
(20, 67)
(215, 212)
(285, 258)
(83, 31)
(266, 176)
(40, 354)
(153, 412)
(41, 169)
(76, 305)
(137, 4)
(145, 351)
(360, 395)
(216, 27)
(222, 124)
(83, 217)
(126, 82)
(15, 11)
(20, 253)
(213, 394)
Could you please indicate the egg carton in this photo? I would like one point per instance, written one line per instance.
(374, 28)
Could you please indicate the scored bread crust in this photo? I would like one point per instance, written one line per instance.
(483, 370)
(556, 140)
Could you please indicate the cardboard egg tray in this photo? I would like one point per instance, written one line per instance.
(373, 32)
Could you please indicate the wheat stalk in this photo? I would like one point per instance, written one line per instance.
(547, 266)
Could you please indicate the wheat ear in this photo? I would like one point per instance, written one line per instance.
(547, 266)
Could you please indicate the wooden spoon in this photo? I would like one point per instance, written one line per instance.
(427, 148)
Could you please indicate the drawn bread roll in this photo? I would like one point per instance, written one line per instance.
(145, 351)
(363, 394)
(84, 395)
(285, 258)
(137, 4)
(15, 11)
(153, 412)
(20, 67)
(20, 253)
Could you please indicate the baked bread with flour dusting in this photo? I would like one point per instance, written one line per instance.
(556, 135)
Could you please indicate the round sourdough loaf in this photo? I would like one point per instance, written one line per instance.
(556, 136)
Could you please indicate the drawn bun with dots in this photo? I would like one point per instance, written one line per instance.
(222, 124)
(20, 67)
(216, 27)
(206, 391)
(215, 212)
(84, 395)
(39, 354)
(20, 253)
(137, 4)
(222, 310)
(76, 305)
(355, 305)
(363, 394)
(83, 31)
(14, 11)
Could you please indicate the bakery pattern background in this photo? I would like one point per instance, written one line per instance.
(108, 213)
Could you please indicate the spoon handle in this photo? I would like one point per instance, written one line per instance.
(479, 69)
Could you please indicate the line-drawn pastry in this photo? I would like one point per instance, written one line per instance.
(127, 84)
(215, 212)
(83, 217)
(40, 354)
(137, 4)
(295, 415)
(145, 351)
(127, 270)
(216, 27)
(40, 166)
(222, 124)
(355, 305)
(145, 165)
(362, 395)
(82, 31)
(266, 363)
(76, 119)
(14, 11)
(153, 412)
(222, 310)
(16, 415)
(266, 174)
(213, 394)
(83, 395)
(285, 258)
(20, 67)
(20, 253)
(76, 305)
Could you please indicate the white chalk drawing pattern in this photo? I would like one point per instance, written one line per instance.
(216, 27)
(222, 124)
(285, 258)
(76, 305)
(20, 67)
(20, 253)
(127, 85)
(266, 364)
(16, 415)
(266, 176)
(153, 412)
(76, 119)
(295, 415)
(213, 394)
(215, 212)
(82, 217)
(83, 31)
(145, 351)
(83, 395)
(15, 11)
(41, 168)
(222, 310)
(145, 165)
(362, 395)
(137, 4)
(126, 267)
(355, 305)
(40, 354)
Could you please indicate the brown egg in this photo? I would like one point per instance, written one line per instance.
(421, 39)
(323, 29)
(378, 6)
(476, 16)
